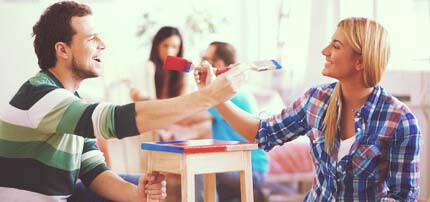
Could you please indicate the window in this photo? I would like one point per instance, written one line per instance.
(408, 23)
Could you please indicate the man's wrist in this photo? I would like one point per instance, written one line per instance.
(134, 194)
(207, 96)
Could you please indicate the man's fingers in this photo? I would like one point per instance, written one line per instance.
(161, 177)
(156, 191)
(154, 177)
(156, 186)
(157, 196)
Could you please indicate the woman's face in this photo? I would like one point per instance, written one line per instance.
(169, 47)
(341, 61)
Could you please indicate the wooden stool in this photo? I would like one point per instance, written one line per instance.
(207, 157)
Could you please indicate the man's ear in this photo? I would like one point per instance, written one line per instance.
(61, 50)
(219, 63)
(359, 63)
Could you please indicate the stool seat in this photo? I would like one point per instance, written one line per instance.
(207, 157)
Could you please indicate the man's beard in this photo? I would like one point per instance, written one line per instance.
(79, 73)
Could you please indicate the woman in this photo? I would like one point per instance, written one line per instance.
(364, 142)
(167, 84)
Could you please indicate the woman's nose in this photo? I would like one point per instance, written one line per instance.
(325, 51)
(171, 52)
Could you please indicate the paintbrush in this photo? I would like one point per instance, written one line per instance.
(183, 65)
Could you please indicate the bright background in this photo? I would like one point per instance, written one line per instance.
(291, 31)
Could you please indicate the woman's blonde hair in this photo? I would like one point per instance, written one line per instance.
(370, 40)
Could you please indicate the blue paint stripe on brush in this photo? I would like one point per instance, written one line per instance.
(277, 65)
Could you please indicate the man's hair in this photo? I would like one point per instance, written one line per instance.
(54, 26)
(225, 52)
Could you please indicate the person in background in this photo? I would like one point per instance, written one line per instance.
(219, 55)
(365, 143)
(47, 132)
(160, 83)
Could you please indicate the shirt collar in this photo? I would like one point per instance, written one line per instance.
(57, 82)
(370, 106)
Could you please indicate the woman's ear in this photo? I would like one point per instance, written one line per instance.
(359, 63)
(61, 50)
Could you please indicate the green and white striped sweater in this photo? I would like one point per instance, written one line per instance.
(47, 140)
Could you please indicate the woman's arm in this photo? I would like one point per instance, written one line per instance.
(242, 122)
(403, 158)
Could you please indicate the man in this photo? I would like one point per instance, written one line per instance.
(47, 131)
(221, 54)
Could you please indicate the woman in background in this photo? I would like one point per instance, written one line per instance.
(162, 83)
(364, 142)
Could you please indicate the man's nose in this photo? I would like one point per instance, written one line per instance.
(101, 45)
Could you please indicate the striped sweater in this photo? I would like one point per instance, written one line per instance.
(47, 140)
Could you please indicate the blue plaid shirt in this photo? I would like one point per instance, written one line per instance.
(382, 164)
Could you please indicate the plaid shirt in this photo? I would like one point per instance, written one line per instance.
(382, 164)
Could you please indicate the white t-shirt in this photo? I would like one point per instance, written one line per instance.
(345, 146)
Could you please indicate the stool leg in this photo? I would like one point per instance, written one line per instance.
(246, 180)
(187, 186)
(210, 188)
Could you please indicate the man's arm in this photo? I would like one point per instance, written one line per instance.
(111, 186)
(195, 118)
(154, 114)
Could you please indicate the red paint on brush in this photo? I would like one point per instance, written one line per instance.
(221, 70)
(183, 65)
(177, 64)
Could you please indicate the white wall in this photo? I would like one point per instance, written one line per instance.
(18, 60)
(118, 22)
(249, 29)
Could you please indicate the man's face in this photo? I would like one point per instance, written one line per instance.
(86, 48)
(209, 55)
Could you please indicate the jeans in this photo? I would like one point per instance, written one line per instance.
(83, 194)
(228, 187)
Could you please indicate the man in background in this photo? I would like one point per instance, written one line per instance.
(219, 55)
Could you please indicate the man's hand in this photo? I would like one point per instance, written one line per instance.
(223, 87)
(153, 186)
(135, 94)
